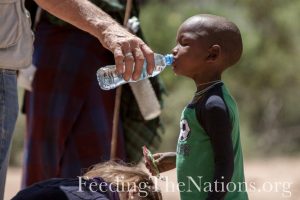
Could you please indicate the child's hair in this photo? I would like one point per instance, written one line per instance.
(220, 30)
(226, 34)
(124, 177)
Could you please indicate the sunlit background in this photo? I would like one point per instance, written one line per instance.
(265, 83)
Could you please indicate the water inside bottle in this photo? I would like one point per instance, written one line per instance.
(108, 78)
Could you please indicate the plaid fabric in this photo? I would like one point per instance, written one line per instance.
(137, 131)
(69, 118)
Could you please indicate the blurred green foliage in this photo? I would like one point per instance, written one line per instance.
(265, 82)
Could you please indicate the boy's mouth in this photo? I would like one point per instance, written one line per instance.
(174, 62)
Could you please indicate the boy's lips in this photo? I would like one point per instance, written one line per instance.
(174, 61)
(173, 64)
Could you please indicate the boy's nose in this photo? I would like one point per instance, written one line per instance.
(174, 51)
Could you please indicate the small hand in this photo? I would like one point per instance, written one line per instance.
(164, 161)
(129, 52)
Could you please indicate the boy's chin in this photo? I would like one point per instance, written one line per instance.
(174, 70)
(177, 72)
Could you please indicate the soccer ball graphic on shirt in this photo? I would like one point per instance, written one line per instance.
(184, 130)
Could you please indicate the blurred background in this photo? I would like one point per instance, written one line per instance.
(265, 84)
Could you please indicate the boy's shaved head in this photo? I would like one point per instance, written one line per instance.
(217, 31)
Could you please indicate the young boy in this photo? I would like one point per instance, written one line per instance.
(209, 157)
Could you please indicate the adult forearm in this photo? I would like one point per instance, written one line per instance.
(82, 14)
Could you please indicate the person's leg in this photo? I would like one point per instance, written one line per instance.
(8, 117)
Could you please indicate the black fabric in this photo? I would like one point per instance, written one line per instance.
(65, 189)
(31, 6)
(212, 114)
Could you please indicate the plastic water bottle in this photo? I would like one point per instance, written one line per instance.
(108, 78)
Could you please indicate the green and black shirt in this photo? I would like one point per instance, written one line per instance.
(209, 155)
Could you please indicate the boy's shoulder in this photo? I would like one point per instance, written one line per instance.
(212, 103)
(214, 97)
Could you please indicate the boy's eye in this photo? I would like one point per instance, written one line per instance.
(183, 44)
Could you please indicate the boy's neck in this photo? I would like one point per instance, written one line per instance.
(206, 80)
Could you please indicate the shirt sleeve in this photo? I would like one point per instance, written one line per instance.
(214, 118)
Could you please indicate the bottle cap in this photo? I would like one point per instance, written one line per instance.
(169, 58)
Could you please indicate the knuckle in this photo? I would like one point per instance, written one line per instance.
(140, 59)
(135, 39)
(130, 58)
(125, 45)
(117, 52)
(119, 56)
(151, 53)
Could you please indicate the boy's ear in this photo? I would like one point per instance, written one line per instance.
(214, 53)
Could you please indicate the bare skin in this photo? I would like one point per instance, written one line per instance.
(164, 161)
(129, 50)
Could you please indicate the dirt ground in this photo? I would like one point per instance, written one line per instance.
(267, 179)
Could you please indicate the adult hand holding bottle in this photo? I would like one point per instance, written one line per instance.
(129, 51)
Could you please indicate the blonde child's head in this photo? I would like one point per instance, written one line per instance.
(131, 180)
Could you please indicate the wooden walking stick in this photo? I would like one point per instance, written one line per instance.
(114, 137)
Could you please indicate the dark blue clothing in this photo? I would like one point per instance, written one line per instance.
(68, 189)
